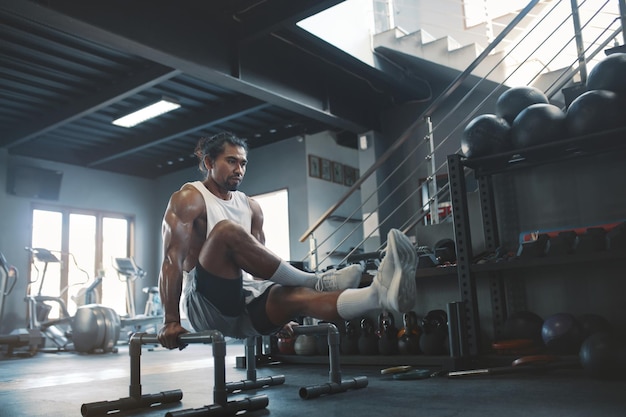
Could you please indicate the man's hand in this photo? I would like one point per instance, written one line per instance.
(169, 335)
(287, 329)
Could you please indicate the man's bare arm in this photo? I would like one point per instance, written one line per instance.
(257, 221)
(178, 223)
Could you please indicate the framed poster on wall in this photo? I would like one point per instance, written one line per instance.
(326, 169)
(349, 175)
(314, 166)
(337, 172)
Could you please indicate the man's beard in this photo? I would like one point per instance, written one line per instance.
(232, 186)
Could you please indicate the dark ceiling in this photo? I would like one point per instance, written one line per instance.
(69, 67)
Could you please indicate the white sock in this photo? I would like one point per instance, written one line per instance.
(355, 302)
(288, 275)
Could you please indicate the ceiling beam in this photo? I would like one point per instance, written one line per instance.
(184, 42)
(122, 87)
(198, 121)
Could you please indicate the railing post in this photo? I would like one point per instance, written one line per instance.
(313, 252)
(622, 12)
(580, 47)
(433, 200)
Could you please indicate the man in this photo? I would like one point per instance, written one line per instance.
(216, 231)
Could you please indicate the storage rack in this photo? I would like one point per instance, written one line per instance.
(465, 326)
(484, 168)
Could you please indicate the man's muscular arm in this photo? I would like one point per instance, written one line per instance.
(257, 221)
(184, 207)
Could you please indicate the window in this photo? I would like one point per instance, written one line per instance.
(85, 242)
(275, 206)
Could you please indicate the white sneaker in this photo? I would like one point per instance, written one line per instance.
(337, 280)
(395, 279)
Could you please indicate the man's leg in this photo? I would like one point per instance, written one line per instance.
(393, 288)
(285, 304)
(229, 248)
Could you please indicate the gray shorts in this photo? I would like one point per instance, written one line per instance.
(203, 315)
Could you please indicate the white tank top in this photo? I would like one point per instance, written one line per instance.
(236, 209)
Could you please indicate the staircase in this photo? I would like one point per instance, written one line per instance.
(532, 54)
(547, 44)
(445, 51)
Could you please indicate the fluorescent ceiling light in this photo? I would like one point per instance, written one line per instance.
(160, 107)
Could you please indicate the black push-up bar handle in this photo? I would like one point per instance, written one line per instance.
(251, 358)
(314, 391)
(252, 381)
(231, 408)
(137, 400)
(336, 384)
(333, 345)
(219, 357)
(102, 408)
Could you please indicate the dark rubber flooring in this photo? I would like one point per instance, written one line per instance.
(57, 384)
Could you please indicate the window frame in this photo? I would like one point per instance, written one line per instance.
(66, 211)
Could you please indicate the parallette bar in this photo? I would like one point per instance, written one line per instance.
(258, 383)
(231, 408)
(138, 400)
(336, 383)
(102, 408)
(315, 391)
(201, 337)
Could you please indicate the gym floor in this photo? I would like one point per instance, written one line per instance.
(57, 384)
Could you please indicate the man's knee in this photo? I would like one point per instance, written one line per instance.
(215, 254)
(225, 229)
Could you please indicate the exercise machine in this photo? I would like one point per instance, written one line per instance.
(221, 406)
(93, 328)
(18, 339)
(152, 317)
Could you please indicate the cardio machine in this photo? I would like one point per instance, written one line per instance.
(93, 328)
(22, 342)
(152, 317)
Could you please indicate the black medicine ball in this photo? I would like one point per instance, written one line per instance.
(609, 74)
(514, 100)
(595, 111)
(538, 124)
(485, 135)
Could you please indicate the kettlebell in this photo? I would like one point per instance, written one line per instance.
(305, 345)
(286, 344)
(435, 326)
(350, 338)
(409, 335)
(387, 334)
(368, 342)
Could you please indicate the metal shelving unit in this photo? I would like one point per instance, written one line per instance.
(484, 169)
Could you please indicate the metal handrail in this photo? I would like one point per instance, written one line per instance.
(456, 83)
(414, 220)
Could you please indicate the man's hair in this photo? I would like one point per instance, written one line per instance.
(213, 146)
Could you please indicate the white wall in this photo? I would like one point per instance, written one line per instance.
(323, 194)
